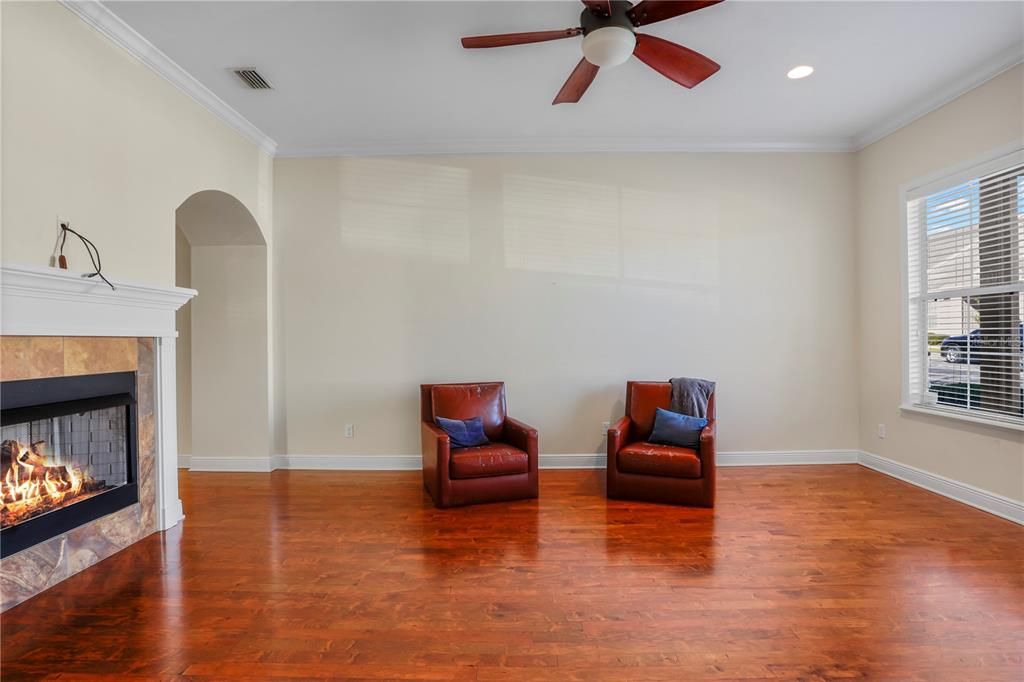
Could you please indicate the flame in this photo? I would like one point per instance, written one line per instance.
(25, 493)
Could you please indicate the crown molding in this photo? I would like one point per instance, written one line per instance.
(1000, 63)
(588, 145)
(99, 17)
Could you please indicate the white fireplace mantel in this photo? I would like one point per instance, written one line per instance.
(41, 301)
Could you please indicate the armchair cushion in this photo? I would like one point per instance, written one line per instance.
(680, 430)
(464, 433)
(659, 460)
(643, 398)
(462, 401)
(494, 459)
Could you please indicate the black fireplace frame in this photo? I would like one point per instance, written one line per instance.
(34, 399)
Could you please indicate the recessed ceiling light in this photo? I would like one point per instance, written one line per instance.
(798, 72)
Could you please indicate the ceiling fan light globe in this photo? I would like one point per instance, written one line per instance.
(608, 46)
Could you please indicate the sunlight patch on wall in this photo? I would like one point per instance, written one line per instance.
(404, 208)
(580, 228)
(669, 238)
(556, 225)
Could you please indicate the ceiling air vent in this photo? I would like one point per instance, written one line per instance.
(253, 79)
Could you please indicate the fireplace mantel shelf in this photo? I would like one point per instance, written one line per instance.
(42, 301)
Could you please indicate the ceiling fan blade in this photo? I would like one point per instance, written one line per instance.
(602, 8)
(650, 11)
(505, 39)
(675, 62)
(579, 80)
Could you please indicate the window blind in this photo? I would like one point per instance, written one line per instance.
(965, 288)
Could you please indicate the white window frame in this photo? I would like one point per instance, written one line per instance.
(985, 164)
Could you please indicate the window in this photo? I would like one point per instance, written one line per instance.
(965, 293)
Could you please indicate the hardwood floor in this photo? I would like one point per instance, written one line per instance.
(804, 573)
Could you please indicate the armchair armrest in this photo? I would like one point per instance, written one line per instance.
(522, 436)
(707, 444)
(618, 435)
(436, 446)
(434, 435)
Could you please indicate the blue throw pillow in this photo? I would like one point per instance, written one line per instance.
(672, 428)
(464, 434)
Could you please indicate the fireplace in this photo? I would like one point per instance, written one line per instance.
(57, 324)
(68, 449)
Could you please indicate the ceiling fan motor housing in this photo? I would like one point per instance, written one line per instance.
(591, 21)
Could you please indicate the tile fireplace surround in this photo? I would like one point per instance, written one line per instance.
(53, 324)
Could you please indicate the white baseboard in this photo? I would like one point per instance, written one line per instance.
(992, 503)
(725, 459)
(573, 461)
(547, 461)
(414, 462)
(258, 464)
(352, 462)
(785, 458)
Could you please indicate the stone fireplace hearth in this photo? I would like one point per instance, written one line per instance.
(126, 339)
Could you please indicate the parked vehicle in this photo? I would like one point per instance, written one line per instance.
(966, 348)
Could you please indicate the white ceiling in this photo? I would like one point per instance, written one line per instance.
(391, 77)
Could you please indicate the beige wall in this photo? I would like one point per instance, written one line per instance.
(229, 330)
(183, 347)
(983, 120)
(92, 135)
(565, 276)
(229, 352)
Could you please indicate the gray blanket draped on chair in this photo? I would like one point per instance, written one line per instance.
(690, 396)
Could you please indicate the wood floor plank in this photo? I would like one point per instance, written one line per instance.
(809, 573)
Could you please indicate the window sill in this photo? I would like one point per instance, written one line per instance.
(962, 416)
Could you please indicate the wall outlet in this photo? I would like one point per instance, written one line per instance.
(55, 256)
(350, 431)
(604, 428)
(881, 430)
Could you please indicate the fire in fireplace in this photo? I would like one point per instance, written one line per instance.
(67, 454)
(32, 484)
(51, 463)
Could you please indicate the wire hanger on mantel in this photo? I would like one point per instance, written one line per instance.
(90, 248)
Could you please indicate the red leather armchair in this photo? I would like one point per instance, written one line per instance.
(505, 469)
(638, 470)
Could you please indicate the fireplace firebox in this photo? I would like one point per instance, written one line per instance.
(67, 454)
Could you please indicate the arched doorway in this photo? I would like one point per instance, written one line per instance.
(223, 360)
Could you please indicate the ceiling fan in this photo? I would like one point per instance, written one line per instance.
(609, 38)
